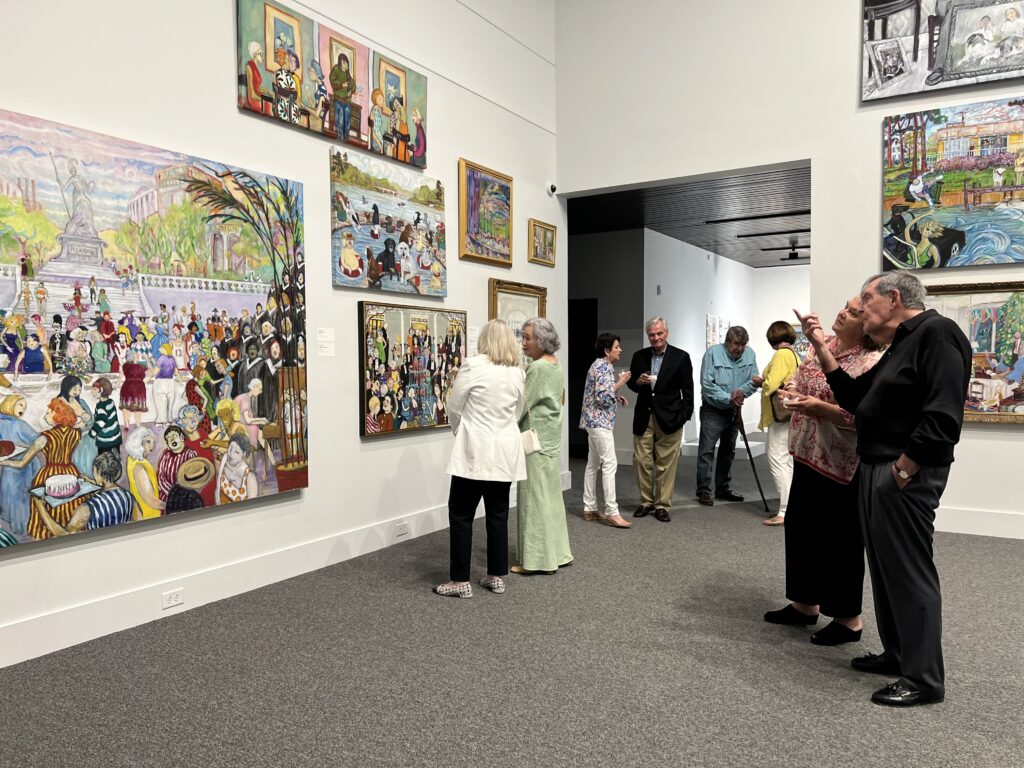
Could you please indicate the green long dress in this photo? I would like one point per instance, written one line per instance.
(542, 533)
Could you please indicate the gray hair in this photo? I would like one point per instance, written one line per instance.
(911, 291)
(654, 321)
(544, 331)
(133, 445)
(254, 48)
(738, 334)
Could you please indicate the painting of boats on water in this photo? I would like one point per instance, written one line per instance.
(152, 332)
(387, 227)
(953, 186)
(485, 214)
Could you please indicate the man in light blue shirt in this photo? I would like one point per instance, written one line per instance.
(728, 375)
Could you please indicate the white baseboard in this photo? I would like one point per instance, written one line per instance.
(980, 522)
(39, 635)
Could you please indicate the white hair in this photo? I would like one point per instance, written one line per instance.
(133, 445)
(654, 321)
(254, 48)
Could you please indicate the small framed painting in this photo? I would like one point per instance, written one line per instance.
(515, 303)
(888, 61)
(542, 243)
(485, 214)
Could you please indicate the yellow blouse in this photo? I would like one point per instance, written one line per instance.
(147, 511)
(778, 371)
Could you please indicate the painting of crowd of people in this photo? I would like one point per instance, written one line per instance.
(409, 361)
(152, 348)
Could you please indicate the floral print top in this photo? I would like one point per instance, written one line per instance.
(599, 404)
(825, 447)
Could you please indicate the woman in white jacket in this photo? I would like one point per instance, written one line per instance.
(484, 406)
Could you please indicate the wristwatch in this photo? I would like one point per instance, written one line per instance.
(902, 474)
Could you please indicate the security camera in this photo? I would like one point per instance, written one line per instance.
(552, 189)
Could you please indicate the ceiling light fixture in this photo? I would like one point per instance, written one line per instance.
(759, 216)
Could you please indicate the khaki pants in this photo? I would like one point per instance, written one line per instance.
(655, 456)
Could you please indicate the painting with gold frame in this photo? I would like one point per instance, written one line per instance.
(991, 315)
(542, 243)
(515, 303)
(408, 360)
(485, 214)
(398, 111)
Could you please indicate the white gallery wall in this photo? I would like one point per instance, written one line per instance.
(165, 74)
(746, 84)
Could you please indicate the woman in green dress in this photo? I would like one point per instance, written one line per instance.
(542, 533)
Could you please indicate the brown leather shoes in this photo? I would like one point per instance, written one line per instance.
(663, 515)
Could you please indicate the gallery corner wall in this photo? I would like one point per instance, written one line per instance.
(752, 85)
(165, 76)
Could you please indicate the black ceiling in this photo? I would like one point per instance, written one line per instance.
(733, 216)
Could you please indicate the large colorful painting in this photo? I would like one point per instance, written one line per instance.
(152, 350)
(409, 358)
(953, 186)
(398, 112)
(485, 214)
(387, 227)
(920, 46)
(992, 317)
(297, 71)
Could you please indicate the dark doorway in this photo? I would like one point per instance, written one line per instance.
(583, 331)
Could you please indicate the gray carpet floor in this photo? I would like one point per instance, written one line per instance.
(650, 650)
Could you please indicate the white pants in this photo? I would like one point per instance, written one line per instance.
(780, 462)
(600, 460)
(163, 398)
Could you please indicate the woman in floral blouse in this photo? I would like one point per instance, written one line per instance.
(600, 402)
(824, 547)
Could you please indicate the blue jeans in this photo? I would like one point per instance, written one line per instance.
(342, 116)
(716, 425)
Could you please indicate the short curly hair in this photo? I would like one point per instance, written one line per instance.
(544, 331)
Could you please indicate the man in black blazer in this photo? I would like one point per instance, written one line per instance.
(662, 377)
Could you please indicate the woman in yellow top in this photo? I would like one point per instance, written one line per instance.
(780, 368)
(141, 474)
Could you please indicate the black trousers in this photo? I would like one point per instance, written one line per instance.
(898, 529)
(824, 548)
(463, 498)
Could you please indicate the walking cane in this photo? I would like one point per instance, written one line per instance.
(739, 420)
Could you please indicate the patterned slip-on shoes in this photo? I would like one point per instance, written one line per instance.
(496, 584)
(454, 590)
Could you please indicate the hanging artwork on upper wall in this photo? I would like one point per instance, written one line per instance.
(300, 72)
(398, 112)
(920, 46)
(152, 352)
(953, 186)
(409, 358)
(485, 214)
(387, 227)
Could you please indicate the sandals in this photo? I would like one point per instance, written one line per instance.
(523, 572)
(617, 521)
(494, 583)
(451, 589)
(589, 515)
(777, 520)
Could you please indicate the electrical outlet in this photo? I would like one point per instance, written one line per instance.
(401, 529)
(172, 598)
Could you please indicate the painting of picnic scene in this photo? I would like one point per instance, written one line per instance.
(992, 318)
(953, 186)
(387, 227)
(152, 332)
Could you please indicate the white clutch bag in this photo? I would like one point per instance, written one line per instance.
(531, 441)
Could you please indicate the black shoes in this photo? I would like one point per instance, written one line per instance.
(728, 495)
(704, 497)
(663, 515)
(791, 616)
(642, 511)
(875, 663)
(899, 694)
(835, 634)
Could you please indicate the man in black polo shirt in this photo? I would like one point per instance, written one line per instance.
(909, 413)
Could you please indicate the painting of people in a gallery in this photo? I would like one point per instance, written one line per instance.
(398, 112)
(920, 46)
(152, 332)
(992, 318)
(297, 71)
(409, 357)
(953, 186)
(387, 227)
